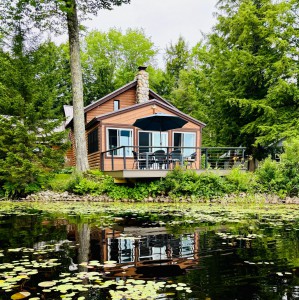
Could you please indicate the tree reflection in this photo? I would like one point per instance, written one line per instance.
(84, 245)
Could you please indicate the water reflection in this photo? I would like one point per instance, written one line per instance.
(141, 252)
(256, 259)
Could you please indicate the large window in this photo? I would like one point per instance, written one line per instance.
(120, 137)
(93, 141)
(152, 139)
(185, 139)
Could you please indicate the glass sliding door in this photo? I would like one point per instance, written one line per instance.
(159, 141)
(144, 142)
(150, 141)
(118, 138)
(186, 141)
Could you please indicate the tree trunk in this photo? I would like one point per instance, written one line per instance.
(84, 245)
(77, 88)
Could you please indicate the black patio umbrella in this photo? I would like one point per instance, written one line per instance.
(160, 122)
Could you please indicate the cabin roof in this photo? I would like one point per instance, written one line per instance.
(120, 91)
(144, 104)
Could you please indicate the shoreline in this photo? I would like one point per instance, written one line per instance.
(50, 196)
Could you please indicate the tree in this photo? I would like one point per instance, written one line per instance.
(177, 58)
(54, 14)
(250, 65)
(30, 144)
(110, 59)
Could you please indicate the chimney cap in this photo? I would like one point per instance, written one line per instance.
(142, 68)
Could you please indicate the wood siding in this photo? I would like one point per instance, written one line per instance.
(128, 98)
(126, 120)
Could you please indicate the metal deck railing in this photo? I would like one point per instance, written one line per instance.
(166, 158)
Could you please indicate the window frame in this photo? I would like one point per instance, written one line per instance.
(93, 141)
(116, 101)
(158, 147)
(129, 154)
(183, 133)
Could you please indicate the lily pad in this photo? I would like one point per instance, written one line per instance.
(20, 295)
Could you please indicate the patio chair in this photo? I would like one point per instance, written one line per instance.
(175, 157)
(191, 160)
(139, 163)
(160, 158)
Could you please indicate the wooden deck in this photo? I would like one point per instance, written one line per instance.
(215, 160)
(135, 174)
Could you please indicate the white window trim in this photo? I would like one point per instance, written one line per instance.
(184, 132)
(107, 141)
(150, 131)
(118, 102)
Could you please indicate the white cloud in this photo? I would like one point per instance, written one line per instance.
(163, 20)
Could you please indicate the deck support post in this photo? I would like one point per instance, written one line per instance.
(206, 158)
(102, 161)
(125, 161)
(112, 160)
(167, 158)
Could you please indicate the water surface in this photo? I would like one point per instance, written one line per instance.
(93, 251)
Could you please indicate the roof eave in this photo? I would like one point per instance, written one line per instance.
(139, 105)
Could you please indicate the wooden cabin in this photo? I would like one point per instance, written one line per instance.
(109, 127)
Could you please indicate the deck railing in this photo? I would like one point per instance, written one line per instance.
(150, 158)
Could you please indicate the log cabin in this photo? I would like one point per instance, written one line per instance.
(115, 144)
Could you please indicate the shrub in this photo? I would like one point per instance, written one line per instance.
(93, 183)
(270, 177)
(210, 185)
(179, 183)
(184, 183)
(118, 192)
(60, 182)
(290, 165)
(26, 159)
(240, 181)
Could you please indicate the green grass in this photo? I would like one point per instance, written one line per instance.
(60, 182)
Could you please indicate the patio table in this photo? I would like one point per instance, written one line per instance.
(148, 158)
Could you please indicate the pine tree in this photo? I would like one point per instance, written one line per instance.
(250, 67)
(31, 146)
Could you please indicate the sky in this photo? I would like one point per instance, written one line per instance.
(162, 20)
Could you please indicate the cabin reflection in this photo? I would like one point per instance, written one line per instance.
(140, 252)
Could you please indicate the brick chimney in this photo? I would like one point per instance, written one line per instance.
(142, 91)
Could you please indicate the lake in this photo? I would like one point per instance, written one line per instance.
(148, 251)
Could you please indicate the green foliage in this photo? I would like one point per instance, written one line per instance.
(281, 177)
(240, 181)
(290, 163)
(270, 177)
(242, 79)
(60, 182)
(110, 60)
(181, 183)
(48, 14)
(93, 182)
(177, 58)
(210, 185)
(31, 147)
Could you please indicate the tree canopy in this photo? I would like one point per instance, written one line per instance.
(110, 60)
(243, 77)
